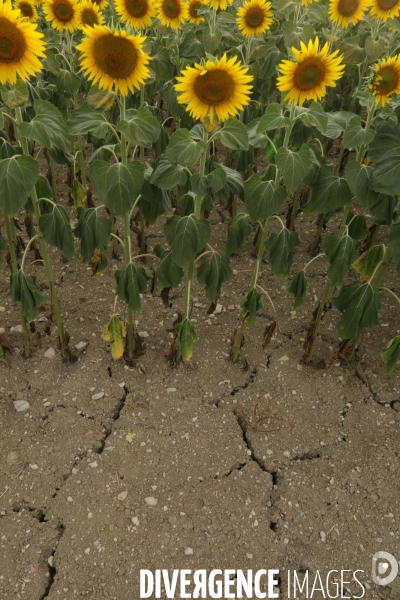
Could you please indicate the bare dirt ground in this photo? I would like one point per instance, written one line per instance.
(168, 468)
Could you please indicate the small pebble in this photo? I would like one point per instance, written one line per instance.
(143, 334)
(80, 346)
(189, 551)
(231, 307)
(33, 466)
(135, 521)
(50, 353)
(249, 555)
(122, 496)
(98, 396)
(170, 390)
(21, 405)
(151, 501)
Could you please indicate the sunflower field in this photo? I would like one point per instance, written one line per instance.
(159, 109)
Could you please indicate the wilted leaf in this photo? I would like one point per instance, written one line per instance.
(186, 236)
(168, 274)
(251, 303)
(114, 332)
(359, 305)
(239, 231)
(391, 354)
(56, 229)
(93, 231)
(131, 282)
(280, 247)
(299, 288)
(186, 336)
(23, 289)
(212, 273)
(340, 252)
(262, 199)
(368, 262)
(18, 175)
(183, 150)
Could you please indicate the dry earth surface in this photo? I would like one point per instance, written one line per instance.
(114, 468)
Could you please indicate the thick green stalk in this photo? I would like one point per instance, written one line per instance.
(197, 212)
(127, 235)
(45, 254)
(260, 253)
(14, 266)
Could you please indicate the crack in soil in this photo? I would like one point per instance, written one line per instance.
(50, 562)
(116, 415)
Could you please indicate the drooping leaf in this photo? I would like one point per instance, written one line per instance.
(337, 123)
(117, 184)
(17, 95)
(186, 236)
(315, 116)
(166, 175)
(299, 288)
(294, 166)
(153, 203)
(18, 175)
(100, 99)
(394, 245)
(272, 119)
(131, 282)
(280, 247)
(47, 127)
(384, 152)
(56, 229)
(380, 205)
(262, 198)
(328, 192)
(140, 127)
(182, 150)
(340, 252)
(78, 194)
(168, 274)
(355, 135)
(251, 303)
(114, 332)
(213, 272)
(186, 336)
(23, 289)
(239, 231)
(93, 231)
(391, 354)
(233, 183)
(368, 262)
(359, 305)
(358, 227)
(256, 139)
(234, 135)
(85, 119)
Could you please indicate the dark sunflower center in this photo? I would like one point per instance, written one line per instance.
(193, 8)
(389, 79)
(387, 4)
(214, 87)
(26, 10)
(115, 56)
(12, 42)
(137, 8)
(171, 8)
(254, 17)
(89, 17)
(63, 10)
(309, 74)
(347, 8)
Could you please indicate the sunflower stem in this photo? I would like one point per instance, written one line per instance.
(127, 234)
(294, 208)
(45, 253)
(14, 267)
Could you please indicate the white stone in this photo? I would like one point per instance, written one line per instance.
(16, 329)
(33, 466)
(122, 496)
(143, 334)
(2, 309)
(170, 390)
(218, 309)
(284, 358)
(81, 346)
(21, 405)
(50, 353)
(98, 396)
(135, 521)
(93, 464)
(151, 501)
(189, 551)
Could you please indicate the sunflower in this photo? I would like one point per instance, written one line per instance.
(216, 4)
(89, 14)
(385, 9)
(21, 46)
(193, 7)
(114, 58)
(220, 88)
(313, 71)
(137, 13)
(305, 2)
(254, 18)
(172, 13)
(27, 10)
(63, 14)
(346, 12)
(386, 79)
(102, 4)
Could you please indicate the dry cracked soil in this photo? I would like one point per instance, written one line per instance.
(264, 464)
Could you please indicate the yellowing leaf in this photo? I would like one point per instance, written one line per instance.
(114, 332)
(368, 262)
(78, 194)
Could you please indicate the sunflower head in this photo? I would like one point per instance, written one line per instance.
(21, 46)
(114, 58)
(385, 79)
(254, 18)
(347, 12)
(137, 13)
(218, 89)
(172, 13)
(193, 7)
(101, 4)
(385, 9)
(219, 4)
(63, 14)
(310, 74)
(305, 2)
(27, 9)
(89, 14)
